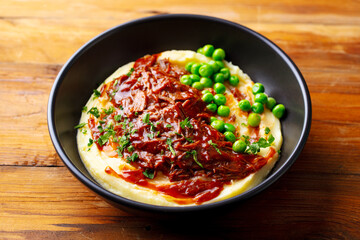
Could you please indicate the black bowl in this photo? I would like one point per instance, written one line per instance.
(261, 59)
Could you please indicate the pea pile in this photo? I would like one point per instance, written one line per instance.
(213, 74)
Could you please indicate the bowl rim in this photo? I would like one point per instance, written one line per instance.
(170, 209)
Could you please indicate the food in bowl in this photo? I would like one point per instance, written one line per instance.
(180, 128)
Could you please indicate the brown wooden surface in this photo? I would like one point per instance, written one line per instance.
(319, 198)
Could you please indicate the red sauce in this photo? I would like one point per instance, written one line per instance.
(154, 108)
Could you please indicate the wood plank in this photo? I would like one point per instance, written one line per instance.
(331, 48)
(296, 11)
(24, 92)
(49, 203)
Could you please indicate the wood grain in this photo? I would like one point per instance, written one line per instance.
(319, 198)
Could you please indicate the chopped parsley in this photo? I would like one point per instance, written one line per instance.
(116, 82)
(132, 158)
(194, 154)
(267, 130)
(123, 143)
(94, 111)
(84, 108)
(130, 72)
(100, 128)
(146, 118)
(214, 145)
(255, 147)
(81, 125)
(117, 117)
(90, 142)
(130, 148)
(149, 173)
(186, 123)
(169, 142)
(96, 94)
(109, 111)
(168, 126)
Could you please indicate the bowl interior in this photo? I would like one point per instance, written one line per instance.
(255, 55)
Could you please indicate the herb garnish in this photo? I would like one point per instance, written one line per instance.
(146, 118)
(267, 130)
(130, 148)
(132, 158)
(186, 123)
(109, 111)
(255, 147)
(84, 108)
(94, 111)
(214, 145)
(194, 154)
(96, 94)
(148, 173)
(80, 125)
(90, 142)
(169, 142)
(116, 81)
(168, 126)
(130, 72)
(189, 139)
(123, 143)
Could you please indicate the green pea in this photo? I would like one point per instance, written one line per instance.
(219, 88)
(208, 97)
(208, 50)
(219, 77)
(230, 128)
(214, 64)
(223, 111)
(194, 78)
(218, 54)
(206, 70)
(198, 86)
(200, 50)
(185, 79)
(254, 119)
(218, 125)
(257, 108)
(212, 107)
(239, 146)
(219, 99)
(279, 110)
(234, 80)
(271, 102)
(188, 66)
(260, 98)
(245, 105)
(205, 91)
(229, 136)
(207, 82)
(258, 88)
(225, 72)
(220, 63)
(213, 118)
(195, 68)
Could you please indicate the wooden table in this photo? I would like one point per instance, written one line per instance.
(319, 198)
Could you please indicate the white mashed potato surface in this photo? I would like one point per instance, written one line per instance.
(97, 161)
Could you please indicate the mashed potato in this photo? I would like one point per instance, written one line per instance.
(96, 161)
